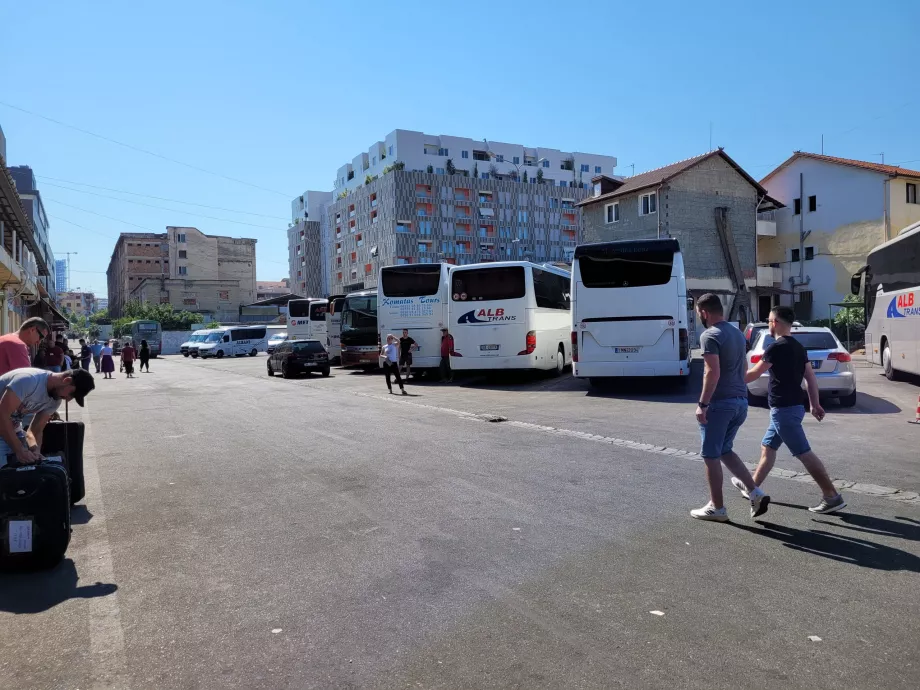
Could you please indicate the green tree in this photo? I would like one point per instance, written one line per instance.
(476, 170)
(451, 170)
(524, 177)
(851, 316)
(539, 175)
(430, 169)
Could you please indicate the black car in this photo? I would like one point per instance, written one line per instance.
(294, 357)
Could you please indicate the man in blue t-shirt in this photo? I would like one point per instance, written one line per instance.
(787, 362)
(722, 409)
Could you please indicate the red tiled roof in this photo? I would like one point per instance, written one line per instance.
(892, 170)
(658, 176)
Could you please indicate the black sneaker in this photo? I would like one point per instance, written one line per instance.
(829, 505)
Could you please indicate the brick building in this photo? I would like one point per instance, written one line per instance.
(183, 267)
(82, 303)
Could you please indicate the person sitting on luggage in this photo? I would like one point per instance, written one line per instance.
(35, 392)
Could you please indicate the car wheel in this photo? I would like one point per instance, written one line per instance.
(185, 354)
(325, 371)
(253, 352)
(285, 372)
(848, 400)
(271, 372)
(220, 354)
(560, 361)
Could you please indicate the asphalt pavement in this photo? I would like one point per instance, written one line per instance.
(242, 531)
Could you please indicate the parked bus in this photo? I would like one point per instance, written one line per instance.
(415, 297)
(892, 303)
(307, 318)
(359, 330)
(146, 330)
(234, 341)
(334, 327)
(510, 315)
(630, 310)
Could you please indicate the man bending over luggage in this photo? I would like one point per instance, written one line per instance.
(35, 392)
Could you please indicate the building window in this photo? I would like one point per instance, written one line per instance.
(522, 216)
(812, 204)
(443, 152)
(585, 167)
(809, 253)
(911, 193)
(597, 170)
(562, 183)
(404, 227)
(339, 274)
(439, 171)
(612, 212)
(499, 158)
(354, 256)
(368, 268)
(545, 163)
(484, 176)
(183, 270)
(517, 160)
(183, 254)
(360, 240)
(464, 154)
(390, 152)
(796, 206)
(648, 204)
(180, 237)
(794, 255)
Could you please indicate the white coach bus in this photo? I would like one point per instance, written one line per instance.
(414, 296)
(510, 315)
(307, 318)
(630, 310)
(892, 303)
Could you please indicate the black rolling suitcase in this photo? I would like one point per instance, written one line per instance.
(64, 439)
(34, 515)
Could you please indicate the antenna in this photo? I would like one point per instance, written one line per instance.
(633, 166)
(882, 154)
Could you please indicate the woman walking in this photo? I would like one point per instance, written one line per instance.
(390, 353)
(128, 355)
(144, 356)
(107, 365)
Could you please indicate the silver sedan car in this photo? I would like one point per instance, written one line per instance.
(830, 360)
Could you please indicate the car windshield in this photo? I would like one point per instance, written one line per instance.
(810, 341)
(310, 346)
(277, 337)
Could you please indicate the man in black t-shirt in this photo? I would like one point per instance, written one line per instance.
(787, 362)
(406, 345)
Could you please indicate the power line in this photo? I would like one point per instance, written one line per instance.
(160, 198)
(145, 151)
(82, 227)
(117, 220)
(173, 210)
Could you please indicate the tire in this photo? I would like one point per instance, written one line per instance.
(891, 373)
(268, 366)
(848, 400)
(185, 354)
(220, 354)
(325, 372)
(285, 373)
(560, 361)
(253, 353)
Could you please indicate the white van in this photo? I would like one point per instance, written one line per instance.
(196, 339)
(630, 310)
(234, 341)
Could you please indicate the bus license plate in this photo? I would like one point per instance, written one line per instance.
(626, 350)
(488, 348)
(816, 364)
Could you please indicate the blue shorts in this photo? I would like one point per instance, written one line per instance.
(723, 419)
(786, 427)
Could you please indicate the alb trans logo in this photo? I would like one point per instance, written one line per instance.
(485, 316)
(903, 306)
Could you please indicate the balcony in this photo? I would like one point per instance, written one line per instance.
(766, 224)
(769, 275)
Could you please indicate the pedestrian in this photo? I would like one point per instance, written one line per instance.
(390, 353)
(144, 355)
(54, 356)
(722, 409)
(30, 391)
(96, 349)
(406, 345)
(106, 363)
(86, 354)
(447, 349)
(787, 361)
(14, 347)
(68, 360)
(128, 355)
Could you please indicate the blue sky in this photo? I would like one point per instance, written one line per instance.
(279, 94)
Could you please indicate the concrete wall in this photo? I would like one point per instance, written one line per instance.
(902, 214)
(172, 340)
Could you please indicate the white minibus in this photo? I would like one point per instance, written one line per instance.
(414, 297)
(630, 310)
(234, 341)
(510, 315)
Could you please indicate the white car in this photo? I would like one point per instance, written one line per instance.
(275, 341)
(830, 360)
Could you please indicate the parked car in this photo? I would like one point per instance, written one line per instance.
(303, 356)
(830, 360)
(754, 329)
(275, 340)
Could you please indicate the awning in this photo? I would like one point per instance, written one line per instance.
(57, 321)
(767, 290)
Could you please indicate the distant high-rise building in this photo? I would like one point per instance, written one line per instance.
(60, 275)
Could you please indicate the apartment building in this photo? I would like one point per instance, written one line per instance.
(415, 197)
(31, 200)
(836, 211)
(183, 267)
(81, 303)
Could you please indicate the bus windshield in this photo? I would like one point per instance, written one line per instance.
(411, 281)
(360, 312)
(488, 284)
(299, 308)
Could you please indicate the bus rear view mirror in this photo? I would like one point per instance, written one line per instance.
(856, 280)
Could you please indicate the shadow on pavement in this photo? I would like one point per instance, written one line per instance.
(841, 548)
(40, 591)
(902, 528)
(868, 404)
(80, 515)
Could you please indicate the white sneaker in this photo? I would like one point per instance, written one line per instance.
(710, 512)
(759, 502)
(738, 484)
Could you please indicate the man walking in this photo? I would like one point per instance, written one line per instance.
(14, 347)
(96, 349)
(787, 362)
(447, 347)
(406, 345)
(54, 357)
(722, 409)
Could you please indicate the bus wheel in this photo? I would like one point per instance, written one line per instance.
(253, 352)
(220, 354)
(560, 361)
(890, 372)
